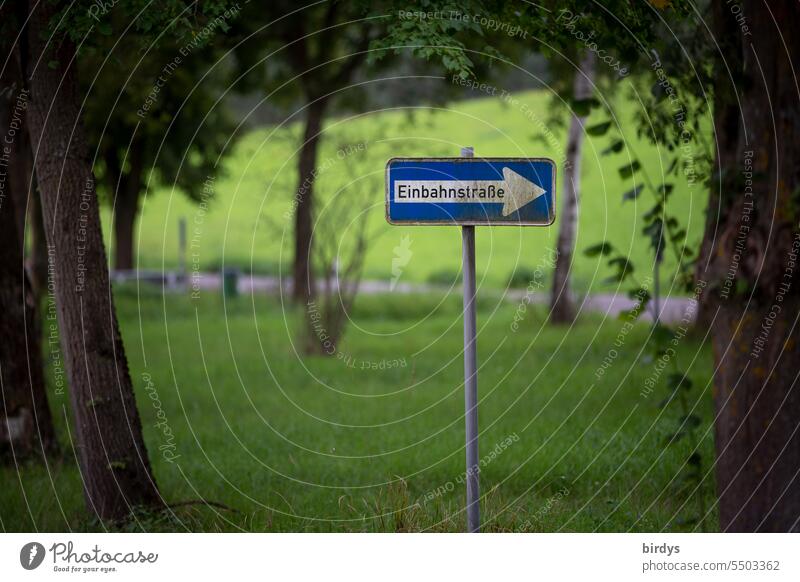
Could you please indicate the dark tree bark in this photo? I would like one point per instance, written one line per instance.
(758, 403)
(19, 172)
(125, 188)
(27, 203)
(303, 272)
(726, 118)
(752, 252)
(31, 230)
(28, 208)
(320, 75)
(37, 267)
(113, 461)
(26, 424)
(562, 306)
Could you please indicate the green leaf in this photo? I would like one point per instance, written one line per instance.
(640, 294)
(654, 230)
(583, 107)
(661, 335)
(654, 212)
(675, 437)
(674, 381)
(633, 194)
(691, 420)
(627, 171)
(679, 236)
(621, 263)
(627, 314)
(672, 166)
(599, 129)
(614, 148)
(678, 380)
(665, 402)
(604, 248)
(624, 269)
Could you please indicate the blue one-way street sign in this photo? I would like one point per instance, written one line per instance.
(471, 191)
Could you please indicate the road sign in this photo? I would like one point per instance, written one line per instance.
(471, 191)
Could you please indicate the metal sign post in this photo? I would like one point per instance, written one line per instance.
(470, 370)
(469, 191)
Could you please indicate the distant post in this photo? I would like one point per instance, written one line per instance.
(182, 249)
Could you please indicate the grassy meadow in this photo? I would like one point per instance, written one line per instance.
(371, 439)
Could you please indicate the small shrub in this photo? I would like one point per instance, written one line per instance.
(445, 277)
(521, 278)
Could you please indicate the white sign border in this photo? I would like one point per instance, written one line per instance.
(388, 193)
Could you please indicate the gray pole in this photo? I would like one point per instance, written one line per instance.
(470, 370)
(182, 249)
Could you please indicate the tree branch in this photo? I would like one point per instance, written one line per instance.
(350, 65)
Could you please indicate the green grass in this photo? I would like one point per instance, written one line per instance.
(245, 224)
(297, 443)
(371, 439)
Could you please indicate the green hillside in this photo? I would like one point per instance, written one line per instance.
(247, 225)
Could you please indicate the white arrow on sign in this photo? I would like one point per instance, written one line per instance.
(513, 191)
(521, 191)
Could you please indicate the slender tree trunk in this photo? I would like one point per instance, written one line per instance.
(113, 461)
(38, 242)
(562, 306)
(126, 206)
(36, 285)
(753, 273)
(125, 211)
(303, 221)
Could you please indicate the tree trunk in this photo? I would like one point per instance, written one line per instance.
(757, 399)
(753, 273)
(25, 420)
(31, 228)
(38, 242)
(726, 117)
(113, 461)
(24, 411)
(29, 216)
(124, 220)
(303, 274)
(18, 175)
(125, 189)
(562, 306)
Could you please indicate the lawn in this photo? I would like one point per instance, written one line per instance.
(246, 223)
(371, 439)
